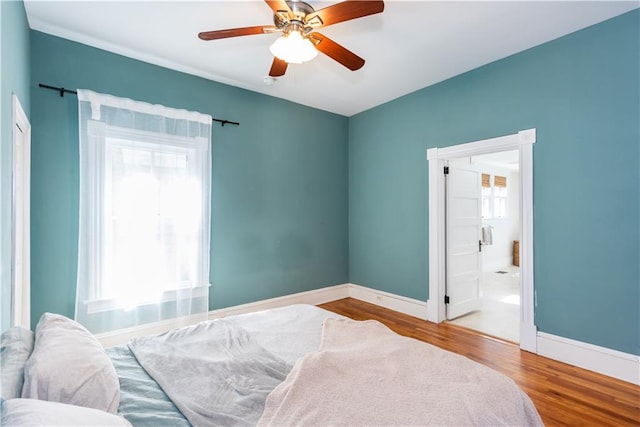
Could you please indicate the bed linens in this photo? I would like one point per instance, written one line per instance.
(213, 372)
(68, 365)
(37, 413)
(450, 384)
(287, 332)
(16, 345)
(365, 374)
(142, 401)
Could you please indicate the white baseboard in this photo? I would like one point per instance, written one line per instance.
(528, 337)
(314, 297)
(602, 360)
(399, 303)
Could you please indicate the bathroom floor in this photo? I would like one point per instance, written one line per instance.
(500, 312)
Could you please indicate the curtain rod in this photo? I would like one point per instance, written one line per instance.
(63, 91)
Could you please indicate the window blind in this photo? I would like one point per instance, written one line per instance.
(486, 180)
(500, 181)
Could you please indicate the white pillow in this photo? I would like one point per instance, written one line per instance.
(31, 412)
(69, 365)
(16, 345)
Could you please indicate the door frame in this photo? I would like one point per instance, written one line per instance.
(21, 292)
(522, 141)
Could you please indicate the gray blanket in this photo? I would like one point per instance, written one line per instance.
(213, 372)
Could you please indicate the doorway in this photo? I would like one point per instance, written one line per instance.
(491, 208)
(437, 158)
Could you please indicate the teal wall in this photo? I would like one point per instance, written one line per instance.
(349, 204)
(582, 94)
(14, 79)
(279, 197)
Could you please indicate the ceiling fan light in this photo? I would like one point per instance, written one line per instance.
(293, 48)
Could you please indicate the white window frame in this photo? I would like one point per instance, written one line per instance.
(20, 217)
(492, 197)
(124, 137)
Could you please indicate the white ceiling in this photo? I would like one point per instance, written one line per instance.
(411, 45)
(504, 159)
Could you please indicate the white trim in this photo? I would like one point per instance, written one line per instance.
(388, 300)
(437, 267)
(21, 292)
(314, 297)
(605, 361)
(436, 158)
(527, 286)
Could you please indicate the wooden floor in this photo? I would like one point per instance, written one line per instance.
(563, 394)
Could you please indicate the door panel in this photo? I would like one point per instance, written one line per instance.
(464, 224)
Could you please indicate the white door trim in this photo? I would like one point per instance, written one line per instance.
(523, 141)
(21, 208)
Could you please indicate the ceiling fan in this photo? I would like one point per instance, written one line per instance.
(300, 42)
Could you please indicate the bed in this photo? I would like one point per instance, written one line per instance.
(295, 365)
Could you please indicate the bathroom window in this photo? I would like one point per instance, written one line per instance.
(494, 197)
(486, 195)
(499, 196)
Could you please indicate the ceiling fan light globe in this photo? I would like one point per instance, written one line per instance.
(293, 48)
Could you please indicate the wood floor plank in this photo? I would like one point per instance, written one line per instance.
(563, 394)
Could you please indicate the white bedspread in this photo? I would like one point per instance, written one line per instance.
(365, 374)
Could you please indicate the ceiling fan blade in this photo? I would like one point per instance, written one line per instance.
(278, 68)
(280, 7)
(336, 52)
(345, 11)
(235, 32)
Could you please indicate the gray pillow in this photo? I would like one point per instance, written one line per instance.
(30, 412)
(16, 345)
(69, 365)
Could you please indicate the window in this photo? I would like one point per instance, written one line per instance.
(152, 206)
(494, 198)
(499, 197)
(144, 213)
(486, 195)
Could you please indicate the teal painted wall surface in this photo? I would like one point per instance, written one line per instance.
(582, 94)
(14, 79)
(279, 197)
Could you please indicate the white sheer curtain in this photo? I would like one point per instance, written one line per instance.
(144, 223)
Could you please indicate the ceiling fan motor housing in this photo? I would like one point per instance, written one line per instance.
(300, 10)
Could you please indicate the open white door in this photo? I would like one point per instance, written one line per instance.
(463, 247)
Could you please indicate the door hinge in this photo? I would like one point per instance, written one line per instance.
(479, 245)
(446, 299)
(446, 170)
